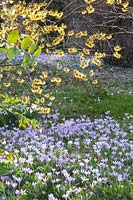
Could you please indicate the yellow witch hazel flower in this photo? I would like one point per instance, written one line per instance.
(100, 55)
(78, 75)
(97, 62)
(109, 37)
(72, 50)
(70, 33)
(86, 51)
(37, 82)
(117, 55)
(51, 98)
(81, 34)
(19, 72)
(55, 13)
(44, 75)
(47, 95)
(25, 99)
(44, 110)
(59, 52)
(1, 75)
(7, 84)
(90, 9)
(66, 69)
(125, 6)
(85, 63)
(36, 89)
(59, 15)
(37, 101)
(84, 12)
(95, 82)
(56, 80)
(78, 35)
(91, 72)
(42, 100)
(89, 1)
(90, 44)
(118, 1)
(117, 48)
(110, 2)
(59, 67)
(124, 9)
(20, 80)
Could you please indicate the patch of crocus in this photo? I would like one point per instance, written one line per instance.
(70, 159)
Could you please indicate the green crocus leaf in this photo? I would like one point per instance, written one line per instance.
(2, 187)
(4, 171)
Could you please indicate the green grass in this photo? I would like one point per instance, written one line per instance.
(73, 102)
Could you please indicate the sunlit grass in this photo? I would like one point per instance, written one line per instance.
(74, 101)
